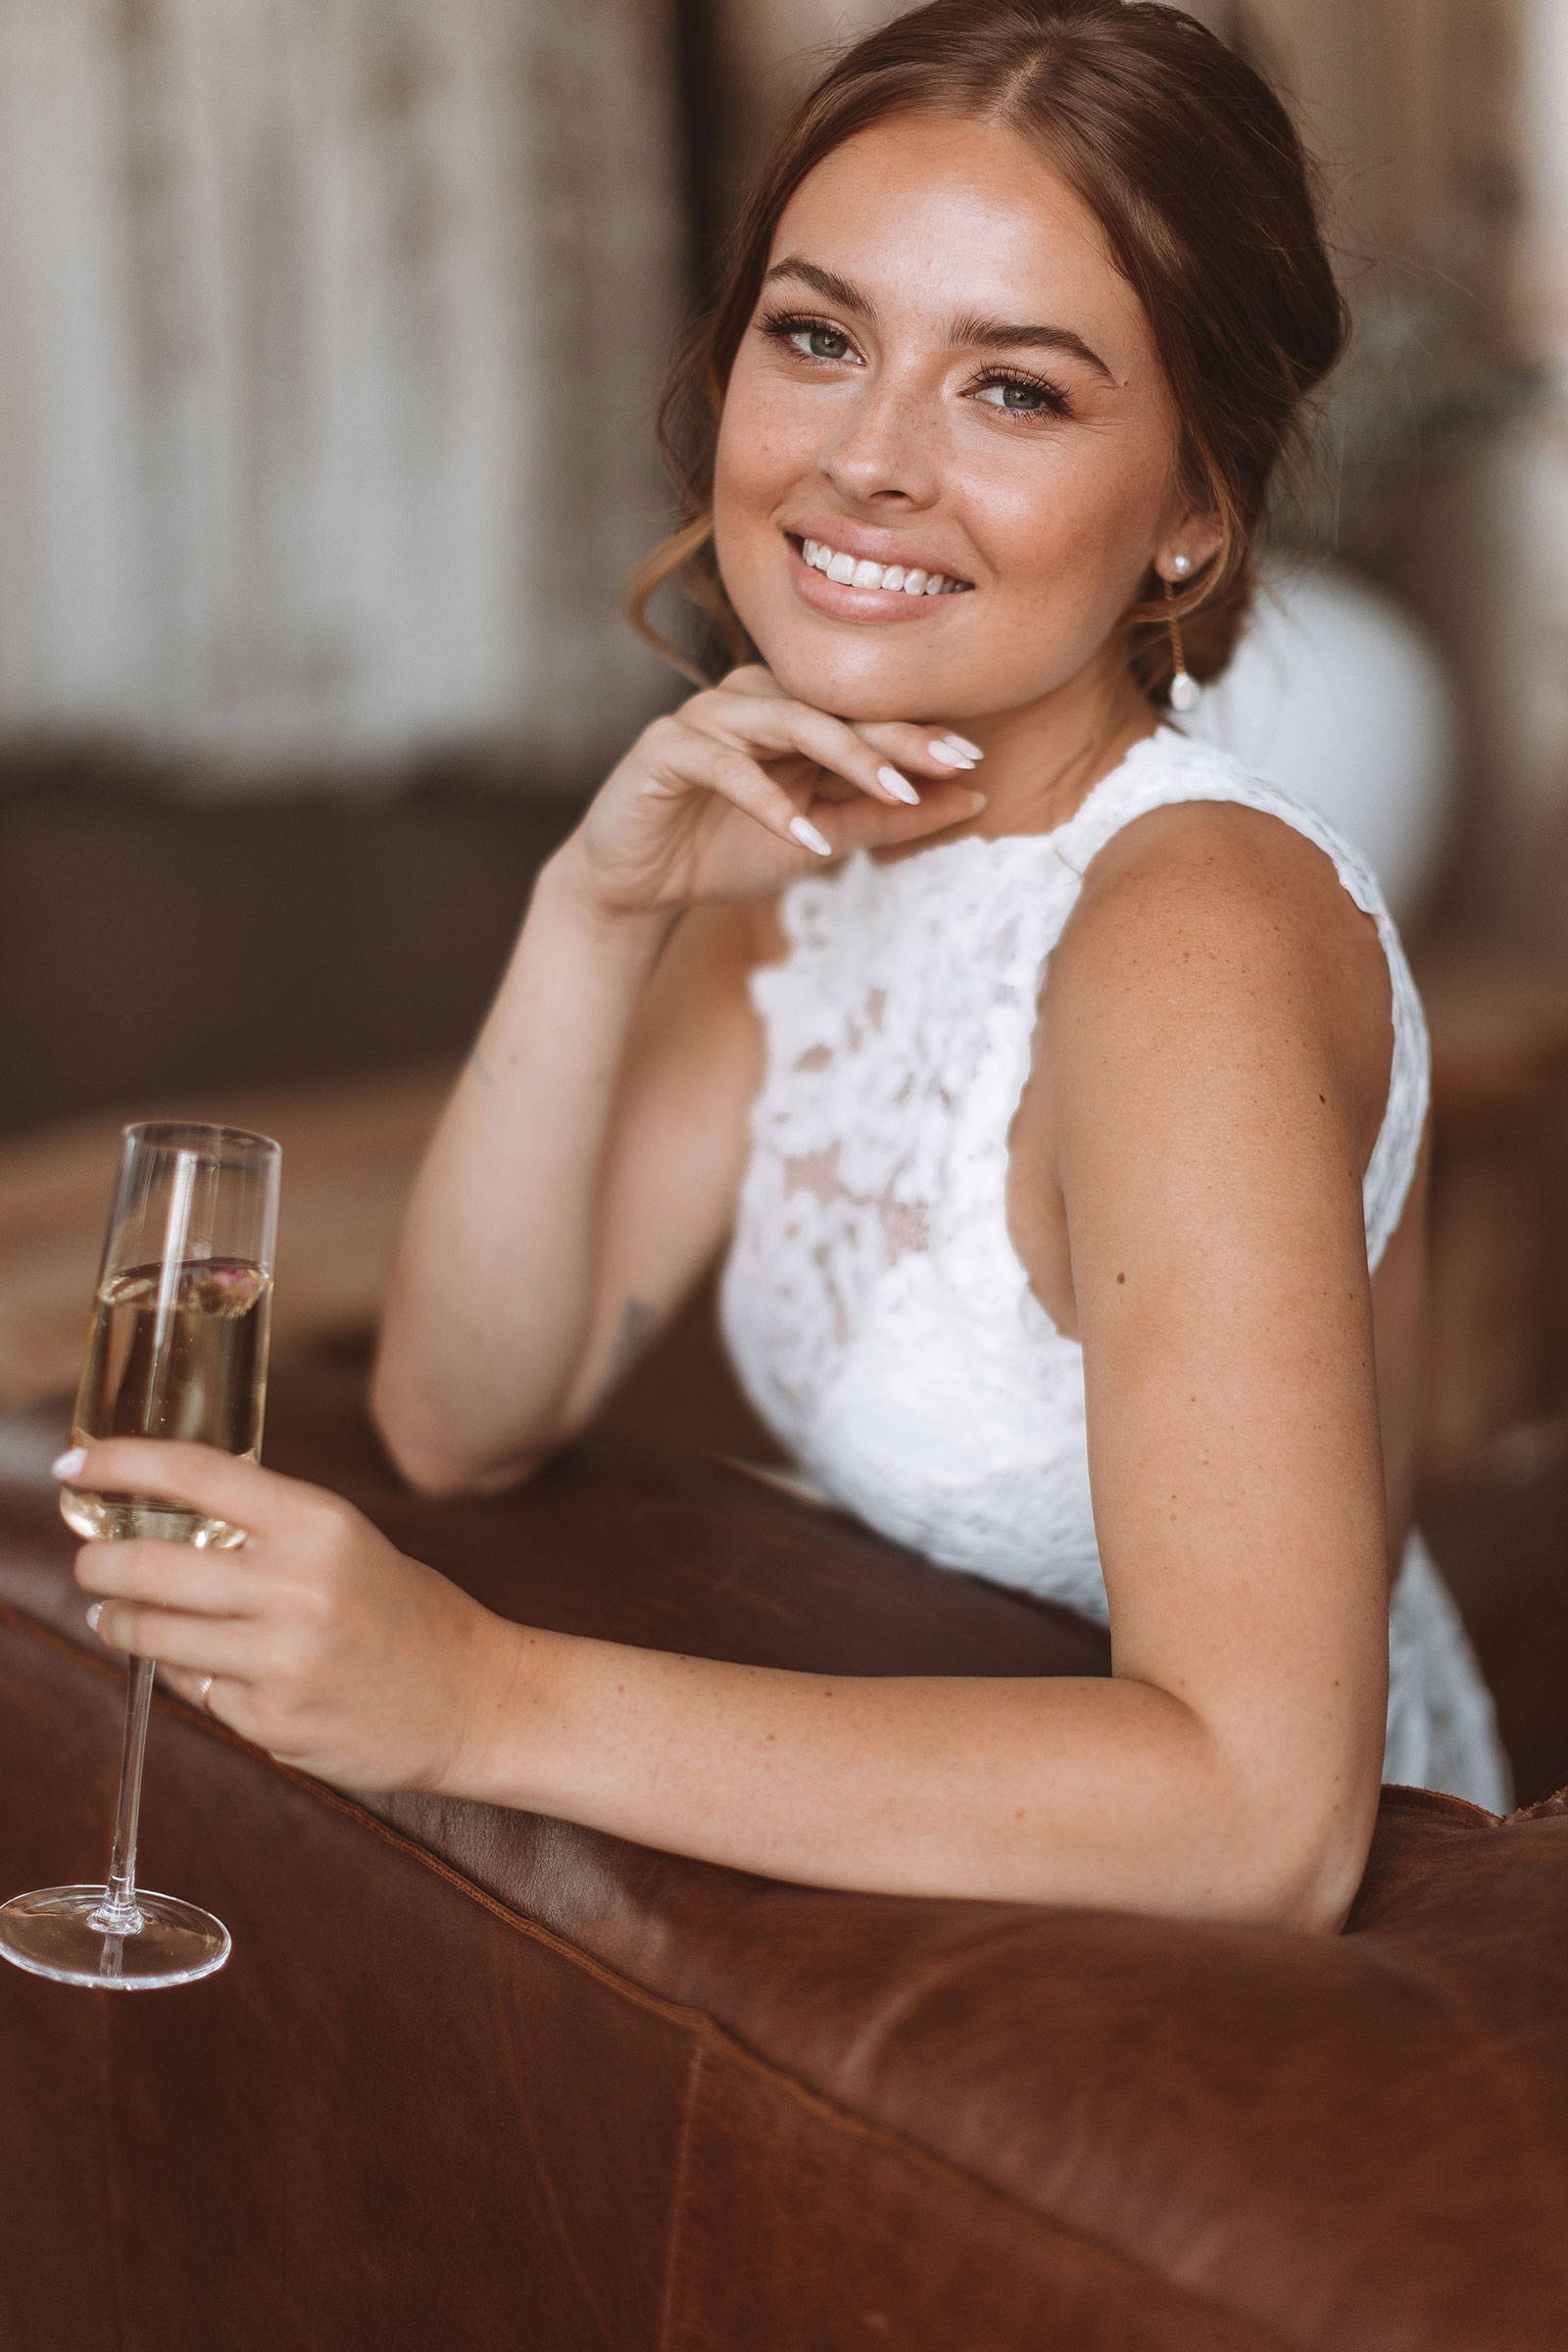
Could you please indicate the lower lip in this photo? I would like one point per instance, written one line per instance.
(839, 602)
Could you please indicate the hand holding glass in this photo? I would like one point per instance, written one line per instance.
(178, 1349)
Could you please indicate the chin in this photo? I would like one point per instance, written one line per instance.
(862, 680)
(854, 697)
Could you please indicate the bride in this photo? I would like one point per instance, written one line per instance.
(1057, 1087)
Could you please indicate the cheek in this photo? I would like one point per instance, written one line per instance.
(758, 453)
(756, 465)
(1074, 531)
(739, 472)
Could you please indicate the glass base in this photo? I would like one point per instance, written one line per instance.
(68, 1934)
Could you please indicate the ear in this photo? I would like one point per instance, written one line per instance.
(1199, 537)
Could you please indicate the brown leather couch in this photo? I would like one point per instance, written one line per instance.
(476, 2079)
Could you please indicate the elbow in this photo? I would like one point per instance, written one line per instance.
(1263, 1835)
(1310, 1887)
(424, 1466)
(437, 1476)
(428, 1460)
(409, 1443)
(1300, 1910)
(448, 1477)
(1323, 1901)
(1283, 1852)
(1289, 1830)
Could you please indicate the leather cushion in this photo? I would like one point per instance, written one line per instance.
(1345, 2142)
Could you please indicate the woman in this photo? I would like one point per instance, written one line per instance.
(1070, 1132)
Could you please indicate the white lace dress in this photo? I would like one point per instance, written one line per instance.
(875, 1308)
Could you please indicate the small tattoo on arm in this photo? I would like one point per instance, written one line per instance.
(481, 1068)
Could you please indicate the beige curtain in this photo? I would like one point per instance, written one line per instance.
(328, 337)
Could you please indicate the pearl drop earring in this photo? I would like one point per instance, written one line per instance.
(1184, 689)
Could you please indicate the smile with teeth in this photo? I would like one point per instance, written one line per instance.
(853, 571)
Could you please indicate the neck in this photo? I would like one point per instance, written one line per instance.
(1042, 761)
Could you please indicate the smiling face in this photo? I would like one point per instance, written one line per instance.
(945, 375)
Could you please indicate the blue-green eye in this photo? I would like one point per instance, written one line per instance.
(809, 338)
(1024, 396)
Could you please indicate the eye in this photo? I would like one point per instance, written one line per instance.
(809, 338)
(1024, 396)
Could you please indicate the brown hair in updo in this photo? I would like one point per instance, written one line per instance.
(1198, 177)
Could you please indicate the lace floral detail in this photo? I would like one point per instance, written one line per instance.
(874, 1303)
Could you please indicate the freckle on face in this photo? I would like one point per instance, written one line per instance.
(1050, 520)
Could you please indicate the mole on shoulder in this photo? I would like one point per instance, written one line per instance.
(1121, 1277)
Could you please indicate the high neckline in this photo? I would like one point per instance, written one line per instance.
(1163, 736)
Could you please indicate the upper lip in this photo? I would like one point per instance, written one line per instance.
(875, 546)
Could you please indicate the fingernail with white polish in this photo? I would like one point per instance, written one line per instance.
(70, 1462)
(946, 753)
(962, 743)
(94, 1613)
(899, 786)
(806, 833)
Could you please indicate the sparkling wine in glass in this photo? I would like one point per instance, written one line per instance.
(176, 1348)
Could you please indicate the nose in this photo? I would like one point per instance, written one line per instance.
(885, 452)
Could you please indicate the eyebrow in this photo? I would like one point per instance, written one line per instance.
(989, 334)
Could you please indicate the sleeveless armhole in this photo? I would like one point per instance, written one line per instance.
(1214, 776)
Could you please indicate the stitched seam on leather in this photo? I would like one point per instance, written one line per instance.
(677, 2196)
(944, 2171)
(695, 2022)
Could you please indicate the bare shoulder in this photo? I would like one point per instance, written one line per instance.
(1212, 927)
(1223, 868)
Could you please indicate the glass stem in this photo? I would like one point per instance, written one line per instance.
(118, 1914)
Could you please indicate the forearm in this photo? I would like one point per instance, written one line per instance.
(492, 1288)
(1072, 1790)
(341, 1655)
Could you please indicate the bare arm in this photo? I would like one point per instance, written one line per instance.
(581, 1177)
(1214, 1092)
(1214, 1097)
(1209, 1095)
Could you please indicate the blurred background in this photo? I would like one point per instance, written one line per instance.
(329, 339)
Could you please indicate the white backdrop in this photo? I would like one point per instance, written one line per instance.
(329, 336)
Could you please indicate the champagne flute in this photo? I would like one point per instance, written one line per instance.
(178, 1349)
